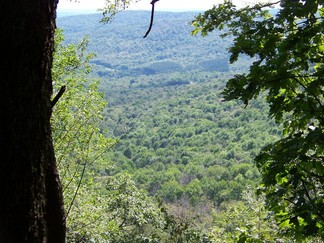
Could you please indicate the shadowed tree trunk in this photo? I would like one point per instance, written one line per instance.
(31, 204)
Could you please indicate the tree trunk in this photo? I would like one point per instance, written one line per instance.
(31, 204)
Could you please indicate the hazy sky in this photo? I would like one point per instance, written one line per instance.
(173, 5)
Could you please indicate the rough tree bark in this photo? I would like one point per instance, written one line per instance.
(31, 203)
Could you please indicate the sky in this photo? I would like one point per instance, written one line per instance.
(163, 5)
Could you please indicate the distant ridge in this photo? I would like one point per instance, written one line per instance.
(73, 12)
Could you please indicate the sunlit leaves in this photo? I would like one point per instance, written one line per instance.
(112, 7)
(245, 221)
(78, 142)
(134, 214)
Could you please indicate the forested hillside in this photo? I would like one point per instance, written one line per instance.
(121, 49)
(178, 138)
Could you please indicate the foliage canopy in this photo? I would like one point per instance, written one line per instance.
(99, 208)
(287, 47)
(182, 146)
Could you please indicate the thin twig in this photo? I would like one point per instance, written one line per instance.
(80, 181)
(58, 96)
(152, 18)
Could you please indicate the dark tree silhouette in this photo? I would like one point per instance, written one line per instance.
(31, 205)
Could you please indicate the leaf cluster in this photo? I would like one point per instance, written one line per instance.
(286, 45)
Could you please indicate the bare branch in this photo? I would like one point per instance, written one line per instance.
(152, 18)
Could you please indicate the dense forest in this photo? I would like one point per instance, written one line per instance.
(168, 140)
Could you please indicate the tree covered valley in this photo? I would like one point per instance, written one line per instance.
(208, 127)
(166, 159)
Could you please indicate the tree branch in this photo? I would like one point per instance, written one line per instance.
(152, 18)
(58, 96)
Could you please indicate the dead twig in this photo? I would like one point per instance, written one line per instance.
(152, 18)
